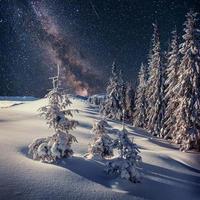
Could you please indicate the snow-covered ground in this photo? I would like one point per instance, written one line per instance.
(8, 101)
(168, 173)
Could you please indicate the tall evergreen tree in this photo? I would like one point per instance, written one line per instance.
(187, 129)
(170, 97)
(164, 63)
(113, 105)
(130, 98)
(155, 93)
(140, 110)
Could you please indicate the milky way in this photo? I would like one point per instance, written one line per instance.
(80, 76)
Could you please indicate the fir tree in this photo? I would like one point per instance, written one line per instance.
(113, 105)
(187, 127)
(154, 85)
(164, 63)
(127, 99)
(129, 103)
(140, 115)
(170, 97)
(56, 114)
(127, 164)
(102, 145)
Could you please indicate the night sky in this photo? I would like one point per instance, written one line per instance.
(83, 36)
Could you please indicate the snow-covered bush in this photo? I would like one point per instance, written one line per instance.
(124, 169)
(102, 145)
(129, 161)
(52, 148)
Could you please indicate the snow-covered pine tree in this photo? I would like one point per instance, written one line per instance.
(127, 99)
(123, 96)
(187, 128)
(140, 110)
(170, 97)
(129, 105)
(154, 85)
(56, 114)
(113, 105)
(164, 63)
(102, 145)
(127, 164)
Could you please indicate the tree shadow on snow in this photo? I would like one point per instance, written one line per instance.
(174, 162)
(90, 112)
(24, 151)
(154, 140)
(158, 182)
(85, 125)
(92, 170)
(163, 143)
(89, 169)
(92, 108)
(162, 183)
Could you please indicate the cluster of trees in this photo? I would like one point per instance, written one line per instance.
(167, 101)
(56, 114)
(125, 162)
(167, 98)
(119, 101)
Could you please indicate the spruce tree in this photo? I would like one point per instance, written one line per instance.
(56, 114)
(127, 98)
(154, 85)
(113, 105)
(127, 164)
(140, 110)
(187, 128)
(102, 145)
(130, 102)
(164, 63)
(170, 96)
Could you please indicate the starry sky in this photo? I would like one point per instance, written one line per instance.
(83, 36)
